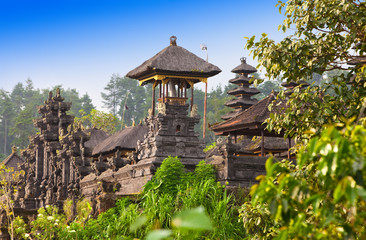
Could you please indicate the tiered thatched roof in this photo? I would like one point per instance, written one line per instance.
(243, 92)
(244, 68)
(250, 121)
(176, 61)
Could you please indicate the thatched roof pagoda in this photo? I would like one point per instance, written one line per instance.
(243, 92)
(174, 62)
(248, 122)
(175, 70)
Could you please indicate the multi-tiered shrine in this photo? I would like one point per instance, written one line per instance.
(167, 131)
(171, 131)
(45, 171)
(243, 92)
(56, 158)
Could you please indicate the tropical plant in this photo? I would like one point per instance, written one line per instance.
(323, 34)
(196, 207)
(97, 119)
(324, 195)
(8, 188)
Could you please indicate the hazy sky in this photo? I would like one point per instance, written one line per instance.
(81, 43)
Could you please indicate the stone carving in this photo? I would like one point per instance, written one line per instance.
(194, 112)
(161, 108)
(150, 112)
(29, 191)
(219, 140)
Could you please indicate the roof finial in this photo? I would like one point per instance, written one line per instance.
(50, 95)
(173, 41)
(58, 94)
(243, 60)
(14, 149)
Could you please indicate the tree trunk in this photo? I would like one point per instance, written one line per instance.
(5, 135)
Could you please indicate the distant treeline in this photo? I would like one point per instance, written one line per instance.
(122, 97)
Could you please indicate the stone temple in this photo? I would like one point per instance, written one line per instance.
(65, 161)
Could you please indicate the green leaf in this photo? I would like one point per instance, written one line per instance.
(193, 219)
(138, 223)
(159, 234)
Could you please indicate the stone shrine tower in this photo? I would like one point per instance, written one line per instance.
(171, 130)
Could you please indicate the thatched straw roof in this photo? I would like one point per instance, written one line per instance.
(125, 139)
(270, 144)
(244, 67)
(248, 122)
(240, 80)
(243, 90)
(241, 102)
(13, 160)
(174, 60)
(96, 137)
(230, 115)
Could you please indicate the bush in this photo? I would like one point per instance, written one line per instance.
(324, 196)
(170, 205)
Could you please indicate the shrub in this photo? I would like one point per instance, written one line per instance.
(168, 176)
(324, 196)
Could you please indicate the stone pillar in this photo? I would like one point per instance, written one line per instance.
(39, 161)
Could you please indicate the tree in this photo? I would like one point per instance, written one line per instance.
(324, 196)
(86, 103)
(6, 114)
(17, 97)
(112, 99)
(324, 33)
(97, 119)
(23, 127)
(267, 86)
(133, 100)
(8, 188)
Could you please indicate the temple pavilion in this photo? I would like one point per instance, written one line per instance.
(174, 70)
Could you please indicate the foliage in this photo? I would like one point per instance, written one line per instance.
(2, 157)
(48, 225)
(324, 32)
(191, 221)
(23, 126)
(209, 147)
(83, 209)
(203, 172)
(307, 110)
(169, 175)
(97, 119)
(198, 207)
(267, 86)
(68, 209)
(125, 99)
(257, 221)
(324, 196)
(19, 107)
(8, 188)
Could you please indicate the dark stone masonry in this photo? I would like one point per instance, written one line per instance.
(65, 161)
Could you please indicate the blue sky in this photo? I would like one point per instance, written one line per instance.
(80, 44)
